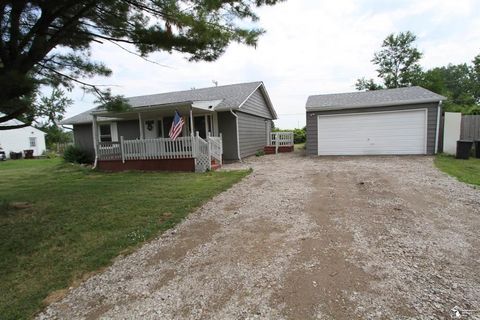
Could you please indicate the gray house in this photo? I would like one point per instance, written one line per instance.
(391, 121)
(236, 118)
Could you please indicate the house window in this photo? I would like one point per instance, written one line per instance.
(33, 142)
(105, 133)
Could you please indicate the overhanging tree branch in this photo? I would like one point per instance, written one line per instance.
(30, 30)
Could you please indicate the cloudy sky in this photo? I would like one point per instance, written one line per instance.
(311, 47)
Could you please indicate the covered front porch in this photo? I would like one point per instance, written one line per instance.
(198, 148)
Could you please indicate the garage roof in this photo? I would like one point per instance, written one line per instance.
(376, 98)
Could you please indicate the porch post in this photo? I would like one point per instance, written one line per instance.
(95, 136)
(122, 150)
(277, 138)
(140, 122)
(191, 121)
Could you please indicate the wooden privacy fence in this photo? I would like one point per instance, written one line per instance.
(470, 128)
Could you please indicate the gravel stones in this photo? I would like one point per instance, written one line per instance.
(325, 238)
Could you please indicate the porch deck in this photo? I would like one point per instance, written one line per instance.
(279, 142)
(190, 153)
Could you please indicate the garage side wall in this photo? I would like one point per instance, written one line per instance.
(253, 133)
(312, 123)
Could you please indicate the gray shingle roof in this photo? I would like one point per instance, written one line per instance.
(376, 98)
(84, 117)
(232, 97)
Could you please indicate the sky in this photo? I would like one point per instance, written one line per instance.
(310, 47)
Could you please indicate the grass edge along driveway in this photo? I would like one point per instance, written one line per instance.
(59, 222)
(467, 171)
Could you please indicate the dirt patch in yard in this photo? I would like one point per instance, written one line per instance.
(304, 238)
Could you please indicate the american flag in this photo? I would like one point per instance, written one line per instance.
(177, 126)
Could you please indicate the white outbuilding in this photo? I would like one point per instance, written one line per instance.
(18, 140)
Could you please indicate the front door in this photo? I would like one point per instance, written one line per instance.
(151, 130)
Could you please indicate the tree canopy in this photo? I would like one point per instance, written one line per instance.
(397, 63)
(459, 83)
(48, 42)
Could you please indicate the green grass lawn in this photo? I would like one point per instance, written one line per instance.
(464, 170)
(59, 221)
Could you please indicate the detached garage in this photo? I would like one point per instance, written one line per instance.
(391, 121)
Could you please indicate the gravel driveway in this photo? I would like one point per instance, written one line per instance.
(304, 238)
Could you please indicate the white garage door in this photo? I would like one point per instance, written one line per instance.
(395, 132)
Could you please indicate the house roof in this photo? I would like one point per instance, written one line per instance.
(223, 98)
(375, 98)
(84, 117)
(15, 122)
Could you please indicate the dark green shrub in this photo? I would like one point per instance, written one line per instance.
(299, 135)
(75, 155)
(259, 153)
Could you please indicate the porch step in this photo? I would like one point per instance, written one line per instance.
(271, 149)
(215, 165)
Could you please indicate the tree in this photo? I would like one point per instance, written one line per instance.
(51, 109)
(475, 71)
(367, 85)
(397, 63)
(47, 42)
(459, 83)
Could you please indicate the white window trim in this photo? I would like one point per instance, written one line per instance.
(34, 139)
(113, 131)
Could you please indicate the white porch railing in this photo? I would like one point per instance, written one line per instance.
(203, 159)
(164, 148)
(280, 139)
(109, 151)
(160, 148)
(216, 147)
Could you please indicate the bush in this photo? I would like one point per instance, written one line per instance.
(75, 155)
(259, 153)
(299, 135)
(51, 155)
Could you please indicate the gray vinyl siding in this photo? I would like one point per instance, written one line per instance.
(227, 126)
(128, 129)
(83, 137)
(253, 133)
(257, 105)
(311, 145)
(312, 123)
